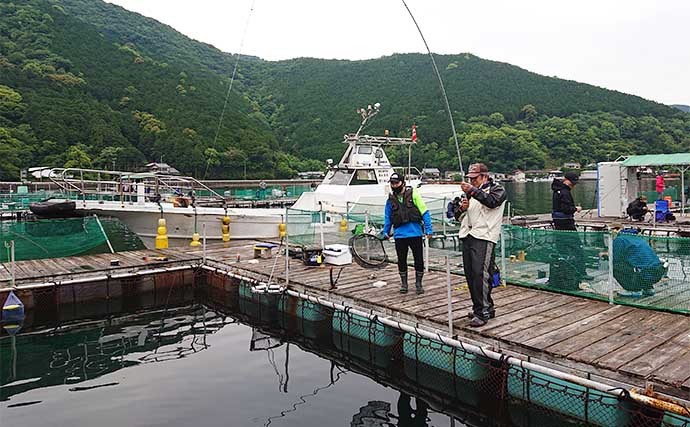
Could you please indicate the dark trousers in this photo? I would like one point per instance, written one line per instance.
(567, 265)
(478, 260)
(564, 224)
(401, 247)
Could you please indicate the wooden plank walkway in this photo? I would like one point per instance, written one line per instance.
(619, 343)
(625, 344)
(37, 271)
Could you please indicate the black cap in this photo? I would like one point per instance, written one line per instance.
(572, 177)
(395, 177)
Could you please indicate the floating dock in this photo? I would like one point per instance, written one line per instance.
(612, 344)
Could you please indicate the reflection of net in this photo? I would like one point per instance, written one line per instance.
(368, 251)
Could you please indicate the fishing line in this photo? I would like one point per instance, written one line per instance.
(234, 71)
(440, 83)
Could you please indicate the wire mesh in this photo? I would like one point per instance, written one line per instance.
(647, 271)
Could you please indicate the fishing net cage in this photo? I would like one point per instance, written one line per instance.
(622, 267)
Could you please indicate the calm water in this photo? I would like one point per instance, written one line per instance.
(188, 364)
(535, 197)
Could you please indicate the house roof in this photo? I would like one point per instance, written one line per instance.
(658, 160)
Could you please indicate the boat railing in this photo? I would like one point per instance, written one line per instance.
(122, 185)
(377, 140)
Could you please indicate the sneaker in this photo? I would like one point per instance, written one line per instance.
(420, 291)
(403, 290)
(648, 292)
(477, 322)
(630, 294)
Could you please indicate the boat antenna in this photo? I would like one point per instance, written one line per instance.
(440, 83)
(234, 72)
(367, 114)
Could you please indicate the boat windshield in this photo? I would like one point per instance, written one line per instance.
(339, 177)
(364, 176)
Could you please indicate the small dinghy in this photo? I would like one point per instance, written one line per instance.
(53, 208)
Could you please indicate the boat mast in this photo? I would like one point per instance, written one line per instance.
(366, 115)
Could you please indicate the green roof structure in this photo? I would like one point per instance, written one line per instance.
(676, 159)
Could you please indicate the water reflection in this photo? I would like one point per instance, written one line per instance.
(184, 355)
(78, 352)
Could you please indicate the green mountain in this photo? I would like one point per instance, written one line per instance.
(86, 83)
(685, 108)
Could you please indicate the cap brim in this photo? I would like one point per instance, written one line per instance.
(472, 175)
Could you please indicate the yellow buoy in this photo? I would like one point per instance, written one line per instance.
(195, 243)
(225, 229)
(162, 237)
(343, 225)
(282, 228)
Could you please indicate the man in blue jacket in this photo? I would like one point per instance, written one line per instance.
(407, 213)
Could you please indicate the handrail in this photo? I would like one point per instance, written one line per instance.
(66, 179)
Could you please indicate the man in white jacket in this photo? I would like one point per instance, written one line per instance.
(482, 212)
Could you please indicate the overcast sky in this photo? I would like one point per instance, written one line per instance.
(634, 46)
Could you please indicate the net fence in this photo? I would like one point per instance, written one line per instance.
(518, 395)
(621, 267)
(10, 202)
(50, 238)
(272, 192)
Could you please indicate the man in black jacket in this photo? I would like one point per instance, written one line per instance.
(637, 209)
(563, 206)
(567, 265)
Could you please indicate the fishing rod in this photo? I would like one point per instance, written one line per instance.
(440, 83)
(234, 72)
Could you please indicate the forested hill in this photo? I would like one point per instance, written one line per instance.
(87, 83)
(685, 108)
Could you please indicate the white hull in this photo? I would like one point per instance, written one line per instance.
(143, 220)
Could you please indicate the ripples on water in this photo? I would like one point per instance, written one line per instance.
(189, 364)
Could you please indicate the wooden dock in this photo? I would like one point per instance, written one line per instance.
(611, 343)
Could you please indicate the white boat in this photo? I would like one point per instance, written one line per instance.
(358, 183)
(140, 199)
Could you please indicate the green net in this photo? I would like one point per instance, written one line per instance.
(313, 229)
(18, 202)
(50, 238)
(272, 192)
(644, 271)
(668, 192)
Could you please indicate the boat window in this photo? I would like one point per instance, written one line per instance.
(364, 149)
(365, 176)
(340, 177)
